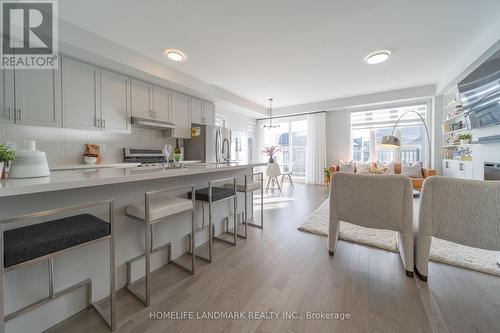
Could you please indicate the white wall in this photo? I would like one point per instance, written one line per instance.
(375, 99)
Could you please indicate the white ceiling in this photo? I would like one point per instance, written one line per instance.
(295, 51)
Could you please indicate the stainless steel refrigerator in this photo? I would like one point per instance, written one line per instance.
(207, 146)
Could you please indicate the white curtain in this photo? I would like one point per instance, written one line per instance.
(316, 148)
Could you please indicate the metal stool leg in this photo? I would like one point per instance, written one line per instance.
(193, 242)
(235, 222)
(112, 269)
(210, 226)
(252, 224)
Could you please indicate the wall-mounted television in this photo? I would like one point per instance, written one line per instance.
(480, 93)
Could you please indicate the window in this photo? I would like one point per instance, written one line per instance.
(368, 127)
(291, 136)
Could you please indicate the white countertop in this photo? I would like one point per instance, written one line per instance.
(104, 165)
(93, 166)
(69, 179)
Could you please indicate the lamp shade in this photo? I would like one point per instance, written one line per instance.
(390, 141)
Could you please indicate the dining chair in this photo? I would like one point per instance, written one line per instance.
(287, 175)
(273, 172)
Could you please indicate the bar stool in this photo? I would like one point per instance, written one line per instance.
(155, 209)
(31, 244)
(249, 185)
(214, 194)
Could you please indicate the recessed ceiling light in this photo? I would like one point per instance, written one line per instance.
(175, 55)
(377, 57)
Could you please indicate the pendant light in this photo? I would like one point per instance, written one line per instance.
(270, 126)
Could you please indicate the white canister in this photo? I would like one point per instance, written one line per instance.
(1, 169)
(29, 163)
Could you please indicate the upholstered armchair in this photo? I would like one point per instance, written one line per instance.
(466, 212)
(379, 202)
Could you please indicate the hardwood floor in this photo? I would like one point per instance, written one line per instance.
(281, 269)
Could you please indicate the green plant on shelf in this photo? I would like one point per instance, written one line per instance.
(466, 136)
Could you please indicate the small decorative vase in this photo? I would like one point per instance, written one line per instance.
(327, 180)
(1, 170)
(271, 159)
(464, 142)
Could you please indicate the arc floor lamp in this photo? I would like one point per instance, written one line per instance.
(393, 142)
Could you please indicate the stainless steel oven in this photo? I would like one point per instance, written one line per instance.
(492, 171)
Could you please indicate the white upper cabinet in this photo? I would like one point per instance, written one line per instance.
(7, 114)
(114, 101)
(141, 99)
(79, 95)
(196, 107)
(83, 96)
(180, 116)
(161, 103)
(31, 97)
(208, 115)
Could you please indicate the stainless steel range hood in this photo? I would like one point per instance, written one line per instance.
(152, 123)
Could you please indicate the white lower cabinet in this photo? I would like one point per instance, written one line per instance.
(457, 169)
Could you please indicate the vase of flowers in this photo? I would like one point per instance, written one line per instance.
(271, 151)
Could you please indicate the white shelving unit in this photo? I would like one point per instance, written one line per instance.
(453, 166)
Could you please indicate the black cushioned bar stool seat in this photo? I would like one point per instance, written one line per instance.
(218, 193)
(34, 241)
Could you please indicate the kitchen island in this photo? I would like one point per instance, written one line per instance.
(125, 186)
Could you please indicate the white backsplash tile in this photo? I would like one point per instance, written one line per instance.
(66, 146)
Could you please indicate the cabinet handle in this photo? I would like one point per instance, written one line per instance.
(103, 123)
(9, 113)
(461, 166)
(19, 114)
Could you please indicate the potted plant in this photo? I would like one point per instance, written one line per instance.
(327, 175)
(6, 155)
(464, 138)
(271, 151)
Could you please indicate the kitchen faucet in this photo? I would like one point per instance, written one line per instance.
(226, 158)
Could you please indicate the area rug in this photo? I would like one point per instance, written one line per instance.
(441, 250)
